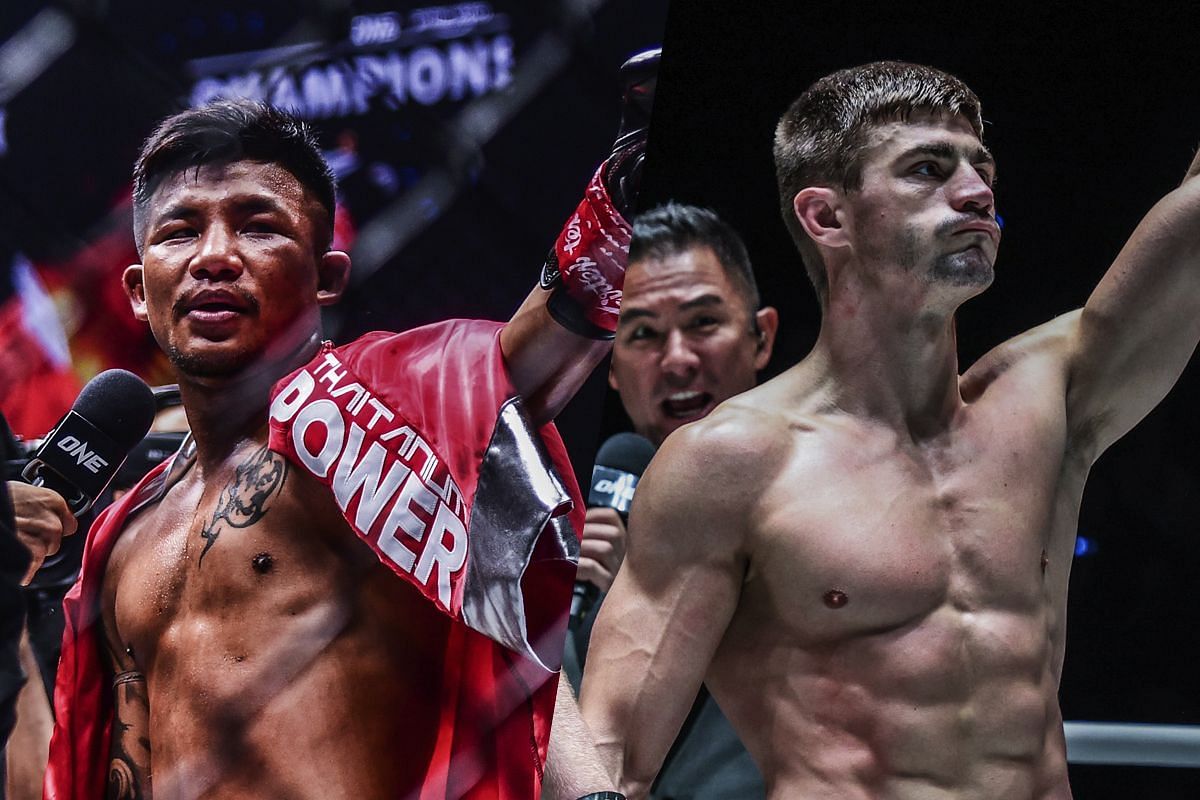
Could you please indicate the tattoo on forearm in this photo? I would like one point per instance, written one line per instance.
(121, 783)
(244, 500)
(129, 764)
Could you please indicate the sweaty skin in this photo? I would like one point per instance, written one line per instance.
(264, 657)
(871, 572)
(905, 647)
(258, 647)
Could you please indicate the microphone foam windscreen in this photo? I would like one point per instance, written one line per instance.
(627, 452)
(120, 404)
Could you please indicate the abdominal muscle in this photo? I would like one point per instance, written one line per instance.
(324, 702)
(952, 705)
(316, 675)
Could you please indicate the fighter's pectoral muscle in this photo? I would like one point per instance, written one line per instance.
(129, 757)
(245, 500)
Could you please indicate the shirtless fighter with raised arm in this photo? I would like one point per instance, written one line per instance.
(353, 581)
(874, 578)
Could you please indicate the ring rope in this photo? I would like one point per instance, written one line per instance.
(1133, 744)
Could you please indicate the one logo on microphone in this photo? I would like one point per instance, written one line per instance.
(612, 487)
(84, 455)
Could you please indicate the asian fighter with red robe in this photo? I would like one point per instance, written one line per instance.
(352, 582)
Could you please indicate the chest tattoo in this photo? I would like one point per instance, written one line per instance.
(244, 500)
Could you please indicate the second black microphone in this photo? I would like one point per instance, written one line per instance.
(620, 463)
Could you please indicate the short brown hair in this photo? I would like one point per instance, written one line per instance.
(821, 137)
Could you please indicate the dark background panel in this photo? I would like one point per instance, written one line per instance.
(1091, 112)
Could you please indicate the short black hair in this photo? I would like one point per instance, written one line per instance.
(676, 228)
(225, 131)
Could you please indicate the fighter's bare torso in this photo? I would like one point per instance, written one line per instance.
(272, 640)
(868, 556)
(900, 626)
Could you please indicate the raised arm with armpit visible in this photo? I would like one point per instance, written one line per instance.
(1134, 336)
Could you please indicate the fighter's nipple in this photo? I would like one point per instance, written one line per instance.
(835, 598)
(262, 563)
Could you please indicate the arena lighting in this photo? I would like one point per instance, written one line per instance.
(30, 51)
(398, 224)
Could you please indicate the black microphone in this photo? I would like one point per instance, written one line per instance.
(86, 448)
(620, 463)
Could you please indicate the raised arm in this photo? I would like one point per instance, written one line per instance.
(564, 328)
(548, 363)
(669, 606)
(1141, 324)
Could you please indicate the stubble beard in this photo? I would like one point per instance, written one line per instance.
(197, 365)
(285, 351)
(968, 267)
(963, 268)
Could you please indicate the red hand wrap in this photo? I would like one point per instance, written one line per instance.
(592, 251)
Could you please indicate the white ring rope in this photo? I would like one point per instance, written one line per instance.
(1133, 743)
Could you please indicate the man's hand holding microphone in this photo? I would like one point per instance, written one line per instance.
(76, 461)
(42, 519)
(619, 464)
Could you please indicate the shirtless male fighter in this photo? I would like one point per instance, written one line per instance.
(353, 581)
(874, 578)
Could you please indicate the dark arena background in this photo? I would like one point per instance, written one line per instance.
(1092, 114)
(462, 135)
